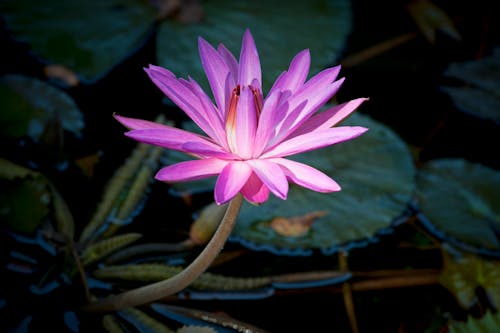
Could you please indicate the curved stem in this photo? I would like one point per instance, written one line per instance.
(174, 284)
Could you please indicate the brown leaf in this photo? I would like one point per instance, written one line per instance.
(295, 226)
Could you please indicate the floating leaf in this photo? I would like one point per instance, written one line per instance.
(29, 106)
(107, 246)
(479, 95)
(281, 29)
(460, 202)
(487, 324)
(463, 275)
(376, 173)
(88, 38)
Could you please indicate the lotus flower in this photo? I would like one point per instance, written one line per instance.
(248, 136)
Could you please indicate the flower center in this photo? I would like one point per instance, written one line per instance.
(232, 113)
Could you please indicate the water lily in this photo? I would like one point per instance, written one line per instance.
(248, 136)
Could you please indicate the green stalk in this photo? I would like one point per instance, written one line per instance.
(170, 286)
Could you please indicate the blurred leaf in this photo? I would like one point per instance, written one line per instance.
(461, 276)
(430, 19)
(479, 95)
(24, 204)
(63, 218)
(374, 194)
(460, 202)
(29, 106)
(111, 324)
(489, 323)
(280, 28)
(88, 38)
(206, 223)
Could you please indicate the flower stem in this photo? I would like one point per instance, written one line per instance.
(174, 284)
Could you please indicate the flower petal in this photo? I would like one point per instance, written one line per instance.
(185, 98)
(267, 121)
(133, 123)
(241, 138)
(230, 181)
(230, 61)
(177, 139)
(249, 69)
(314, 140)
(296, 117)
(271, 175)
(296, 75)
(216, 70)
(329, 117)
(191, 170)
(254, 190)
(306, 176)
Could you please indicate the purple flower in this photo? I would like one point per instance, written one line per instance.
(249, 136)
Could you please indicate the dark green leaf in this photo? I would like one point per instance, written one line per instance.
(89, 37)
(280, 28)
(460, 202)
(29, 106)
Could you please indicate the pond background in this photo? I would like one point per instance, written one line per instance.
(404, 78)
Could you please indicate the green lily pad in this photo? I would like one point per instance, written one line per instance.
(280, 28)
(29, 105)
(461, 276)
(88, 37)
(459, 202)
(480, 93)
(376, 173)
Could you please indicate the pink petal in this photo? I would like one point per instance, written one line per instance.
(132, 123)
(314, 140)
(254, 190)
(267, 122)
(186, 98)
(249, 69)
(177, 139)
(271, 175)
(329, 117)
(306, 176)
(230, 61)
(230, 181)
(296, 75)
(243, 137)
(216, 70)
(213, 126)
(191, 170)
(314, 101)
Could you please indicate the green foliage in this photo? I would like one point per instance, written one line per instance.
(281, 29)
(461, 201)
